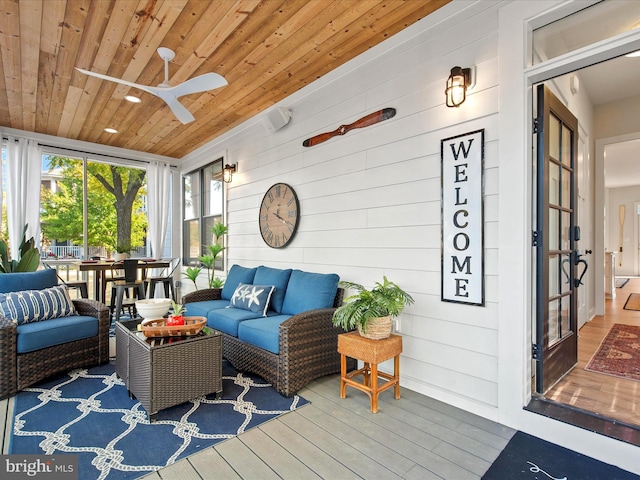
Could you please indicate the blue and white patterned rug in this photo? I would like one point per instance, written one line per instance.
(89, 413)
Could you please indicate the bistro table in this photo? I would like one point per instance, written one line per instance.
(100, 267)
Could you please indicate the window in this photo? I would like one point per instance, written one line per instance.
(203, 200)
(593, 24)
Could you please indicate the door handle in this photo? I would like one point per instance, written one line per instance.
(580, 260)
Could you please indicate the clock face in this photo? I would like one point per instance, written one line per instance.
(279, 215)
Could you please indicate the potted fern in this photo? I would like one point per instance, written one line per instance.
(371, 311)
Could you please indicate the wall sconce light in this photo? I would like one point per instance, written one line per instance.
(457, 84)
(227, 172)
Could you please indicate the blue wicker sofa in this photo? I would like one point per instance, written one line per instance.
(276, 323)
(43, 332)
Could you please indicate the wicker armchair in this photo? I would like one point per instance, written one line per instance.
(308, 347)
(19, 371)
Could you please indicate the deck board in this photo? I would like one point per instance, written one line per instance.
(307, 452)
(279, 459)
(242, 460)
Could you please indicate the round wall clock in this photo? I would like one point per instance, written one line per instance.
(279, 215)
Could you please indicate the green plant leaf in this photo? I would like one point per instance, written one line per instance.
(192, 274)
(385, 298)
(29, 261)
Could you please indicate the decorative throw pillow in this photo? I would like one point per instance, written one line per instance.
(252, 297)
(36, 305)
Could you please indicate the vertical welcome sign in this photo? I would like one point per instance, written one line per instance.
(462, 210)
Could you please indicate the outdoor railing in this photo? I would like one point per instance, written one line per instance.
(77, 252)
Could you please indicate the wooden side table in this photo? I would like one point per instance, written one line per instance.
(371, 352)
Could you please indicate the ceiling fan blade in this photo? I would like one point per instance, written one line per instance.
(179, 110)
(116, 80)
(201, 83)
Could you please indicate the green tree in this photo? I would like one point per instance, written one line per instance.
(115, 215)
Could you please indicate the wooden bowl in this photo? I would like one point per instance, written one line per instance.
(159, 328)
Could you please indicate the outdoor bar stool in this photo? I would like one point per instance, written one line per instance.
(166, 279)
(121, 287)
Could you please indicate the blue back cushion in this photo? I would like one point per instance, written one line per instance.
(16, 282)
(278, 278)
(237, 275)
(307, 291)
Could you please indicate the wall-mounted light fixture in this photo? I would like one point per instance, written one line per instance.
(457, 84)
(227, 172)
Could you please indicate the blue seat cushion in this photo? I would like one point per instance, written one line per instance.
(277, 277)
(263, 332)
(308, 291)
(228, 319)
(15, 282)
(37, 335)
(236, 276)
(202, 309)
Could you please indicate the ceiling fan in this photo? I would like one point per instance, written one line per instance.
(168, 93)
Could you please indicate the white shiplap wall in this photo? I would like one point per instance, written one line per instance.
(370, 200)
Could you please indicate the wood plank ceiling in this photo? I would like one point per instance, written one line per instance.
(265, 49)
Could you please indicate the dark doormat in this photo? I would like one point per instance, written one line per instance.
(530, 458)
(633, 302)
(621, 282)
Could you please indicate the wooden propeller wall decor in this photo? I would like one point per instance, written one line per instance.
(372, 118)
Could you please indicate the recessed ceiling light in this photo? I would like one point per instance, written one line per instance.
(110, 130)
(132, 99)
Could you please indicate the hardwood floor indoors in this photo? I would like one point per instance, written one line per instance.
(613, 397)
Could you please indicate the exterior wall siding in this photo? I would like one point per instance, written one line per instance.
(370, 200)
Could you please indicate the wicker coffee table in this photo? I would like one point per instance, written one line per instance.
(163, 372)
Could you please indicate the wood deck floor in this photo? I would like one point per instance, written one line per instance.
(414, 437)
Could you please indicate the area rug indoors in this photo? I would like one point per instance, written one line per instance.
(619, 353)
(633, 302)
(530, 458)
(89, 413)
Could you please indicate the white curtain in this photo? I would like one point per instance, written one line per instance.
(158, 193)
(24, 167)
